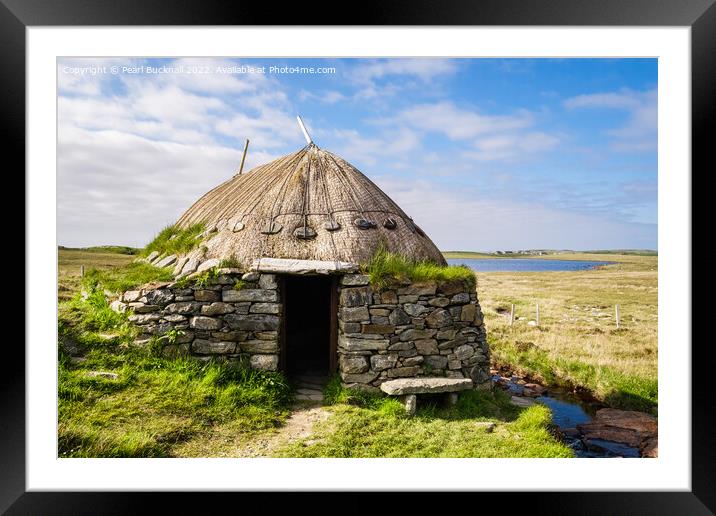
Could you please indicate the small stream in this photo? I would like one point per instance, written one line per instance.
(568, 411)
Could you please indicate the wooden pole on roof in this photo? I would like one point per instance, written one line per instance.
(309, 141)
(246, 148)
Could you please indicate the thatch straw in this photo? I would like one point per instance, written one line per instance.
(307, 205)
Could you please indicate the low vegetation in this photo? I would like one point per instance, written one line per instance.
(577, 341)
(481, 424)
(173, 240)
(116, 400)
(386, 268)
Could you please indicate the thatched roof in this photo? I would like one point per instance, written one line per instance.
(309, 205)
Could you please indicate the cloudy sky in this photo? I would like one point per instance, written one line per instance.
(484, 154)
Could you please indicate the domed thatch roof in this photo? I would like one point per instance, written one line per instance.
(309, 205)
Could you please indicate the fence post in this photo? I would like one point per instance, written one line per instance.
(82, 271)
(537, 318)
(512, 315)
(616, 313)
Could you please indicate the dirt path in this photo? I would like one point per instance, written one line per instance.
(299, 425)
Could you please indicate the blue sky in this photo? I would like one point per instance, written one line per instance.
(484, 154)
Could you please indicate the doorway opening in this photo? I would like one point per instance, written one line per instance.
(309, 317)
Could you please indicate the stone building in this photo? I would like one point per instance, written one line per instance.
(276, 280)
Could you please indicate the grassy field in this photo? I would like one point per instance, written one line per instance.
(118, 401)
(577, 341)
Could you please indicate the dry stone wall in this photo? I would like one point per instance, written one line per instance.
(236, 315)
(420, 329)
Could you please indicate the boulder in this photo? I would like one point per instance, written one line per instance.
(427, 346)
(355, 280)
(438, 319)
(398, 317)
(355, 314)
(265, 308)
(268, 282)
(358, 296)
(353, 365)
(207, 295)
(210, 347)
(414, 334)
(159, 296)
(252, 322)
(383, 362)
(167, 261)
(360, 344)
(201, 322)
(414, 309)
(208, 264)
(217, 309)
(264, 362)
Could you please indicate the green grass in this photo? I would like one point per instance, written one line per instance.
(126, 277)
(156, 407)
(172, 240)
(369, 425)
(386, 268)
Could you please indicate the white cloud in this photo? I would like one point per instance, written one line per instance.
(423, 69)
(639, 133)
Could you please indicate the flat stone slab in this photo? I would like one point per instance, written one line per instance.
(290, 266)
(429, 385)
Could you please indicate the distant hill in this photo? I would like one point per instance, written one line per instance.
(118, 249)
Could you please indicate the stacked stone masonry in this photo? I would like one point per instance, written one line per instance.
(420, 329)
(227, 318)
(411, 330)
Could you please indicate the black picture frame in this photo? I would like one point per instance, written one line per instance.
(17, 15)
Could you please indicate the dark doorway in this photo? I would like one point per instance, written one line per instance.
(309, 314)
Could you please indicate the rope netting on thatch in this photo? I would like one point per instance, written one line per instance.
(309, 205)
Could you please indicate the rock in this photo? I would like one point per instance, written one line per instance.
(378, 328)
(382, 312)
(539, 389)
(440, 302)
(141, 308)
(207, 295)
(383, 362)
(209, 347)
(118, 306)
(401, 346)
(131, 295)
(399, 372)
(622, 426)
(259, 346)
(152, 256)
(449, 344)
(251, 277)
(349, 327)
(414, 310)
(356, 314)
(389, 297)
(359, 344)
(208, 264)
(353, 365)
(166, 262)
(521, 402)
(398, 317)
(265, 308)
(174, 318)
(268, 282)
(234, 336)
(249, 294)
(450, 288)
(355, 280)
(413, 334)
(418, 289)
(427, 346)
(266, 335)
(438, 318)
(143, 318)
(179, 265)
(460, 298)
(158, 297)
(425, 385)
(191, 264)
(650, 448)
(408, 299)
(252, 322)
(413, 361)
(264, 362)
(436, 361)
(183, 308)
(454, 364)
(410, 401)
(358, 296)
(358, 378)
(480, 377)
(464, 352)
(531, 323)
(201, 322)
(102, 374)
(217, 309)
(468, 313)
(446, 334)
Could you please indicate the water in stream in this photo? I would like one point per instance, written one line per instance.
(568, 411)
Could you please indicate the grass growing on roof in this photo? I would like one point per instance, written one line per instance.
(385, 268)
(172, 240)
(126, 277)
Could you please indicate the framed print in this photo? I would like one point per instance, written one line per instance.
(418, 253)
